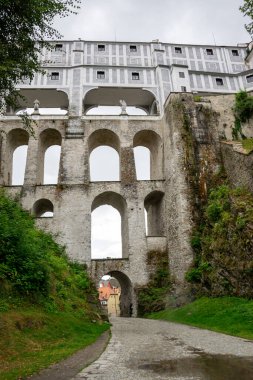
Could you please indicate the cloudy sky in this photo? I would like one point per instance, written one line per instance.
(181, 21)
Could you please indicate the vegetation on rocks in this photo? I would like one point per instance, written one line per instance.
(152, 297)
(229, 315)
(243, 111)
(48, 305)
(223, 245)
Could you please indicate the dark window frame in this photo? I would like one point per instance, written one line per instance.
(101, 47)
(133, 49)
(100, 74)
(250, 77)
(219, 82)
(55, 75)
(235, 52)
(209, 51)
(58, 47)
(135, 76)
(178, 50)
(181, 74)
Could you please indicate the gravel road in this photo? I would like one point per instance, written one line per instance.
(148, 349)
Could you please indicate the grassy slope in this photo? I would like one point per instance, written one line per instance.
(229, 315)
(32, 338)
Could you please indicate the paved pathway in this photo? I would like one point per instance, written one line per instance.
(147, 349)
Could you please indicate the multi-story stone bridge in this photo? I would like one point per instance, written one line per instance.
(82, 75)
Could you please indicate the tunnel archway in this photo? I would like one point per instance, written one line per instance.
(126, 296)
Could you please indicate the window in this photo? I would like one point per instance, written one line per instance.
(249, 78)
(101, 47)
(181, 74)
(178, 50)
(209, 51)
(183, 89)
(55, 76)
(219, 81)
(235, 53)
(133, 48)
(58, 47)
(135, 76)
(100, 75)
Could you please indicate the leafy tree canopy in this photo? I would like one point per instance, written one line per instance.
(25, 28)
(247, 10)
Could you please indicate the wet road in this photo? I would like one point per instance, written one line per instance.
(147, 349)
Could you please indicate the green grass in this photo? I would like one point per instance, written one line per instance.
(247, 145)
(32, 339)
(229, 315)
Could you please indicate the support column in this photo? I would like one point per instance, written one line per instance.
(31, 171)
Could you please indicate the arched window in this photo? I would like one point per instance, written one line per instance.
(106, 241)
(104, 152)
(49, 156)
(104, 164)
(153, 142)
(43, 208)
(16, 156)
(142, 162)
(19, 165)
(109, 227)
(52, 164)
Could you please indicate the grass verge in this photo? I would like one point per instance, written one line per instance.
(32, 339)
(228, 315)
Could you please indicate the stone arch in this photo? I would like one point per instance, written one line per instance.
(48, 99)
(110, 96)
(126, 297)
(151, 140)
(104, 137)
(15, 138)
(119, 203)
(49, 137)
(154, 206)
(42, 206)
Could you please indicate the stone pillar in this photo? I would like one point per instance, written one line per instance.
(31, 172)
(127, 165)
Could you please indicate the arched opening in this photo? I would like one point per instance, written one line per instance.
(52, 164)
(18, 165)
(109, 292)
(142, 163)
(106, 158)
(115, 111)
(16, 156)
(134, 97)
(50, 102)
(153, 142)
(118, 204)
(104, 164)
(126, 301)
(106, 241)
(49, 159)
(154, 206)
(43, 208)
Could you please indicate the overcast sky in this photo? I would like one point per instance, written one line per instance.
(181, 21)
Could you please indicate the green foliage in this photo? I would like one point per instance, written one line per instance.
(197, 98)
(25, 28)
(33, 265)
(243, 108)
(153, 296)
(247, 10)
(248, 145)
(229, 315)
(223, 245)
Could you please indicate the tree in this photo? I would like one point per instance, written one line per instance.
(25, 28)
(247, 10)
